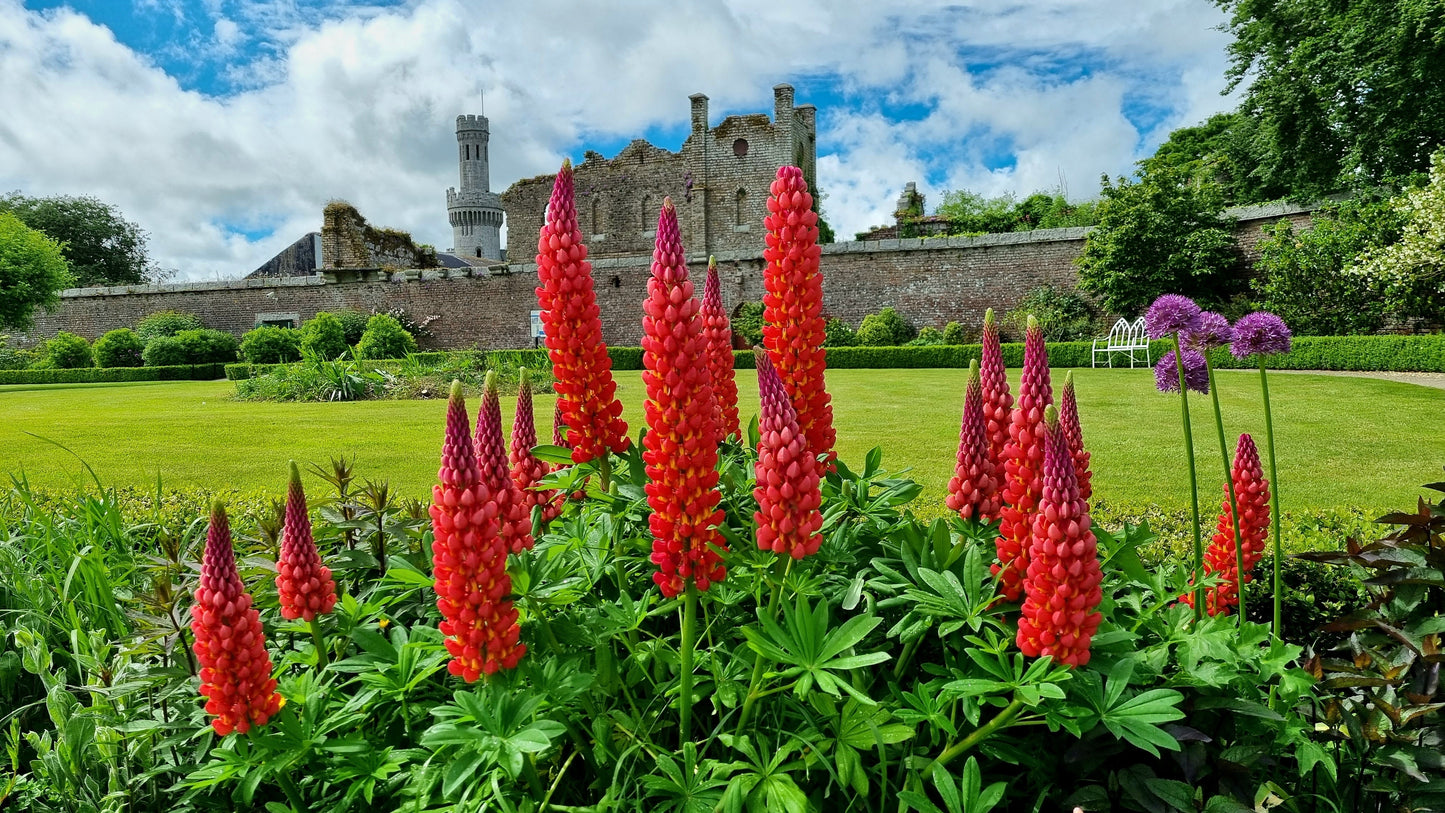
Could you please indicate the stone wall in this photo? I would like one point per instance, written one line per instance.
(930, 281)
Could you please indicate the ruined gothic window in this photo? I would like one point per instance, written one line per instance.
(738, 218)
(647, 212)
(597, 225)
(740, 147)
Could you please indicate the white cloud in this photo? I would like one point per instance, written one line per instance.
(357, 102)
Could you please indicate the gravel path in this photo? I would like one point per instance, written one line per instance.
(1436, 380)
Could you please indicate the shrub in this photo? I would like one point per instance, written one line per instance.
(166, 323)
(747, 323)
(839, 333)
(271, 345)
(119, 348)
(927, 337)
(885, 328)
(1301, 276)
(323, 336)
(164, 351)
(353, 324)
(67, 351)
(385, 338)
(955, 334)
(94, 375)
(208, 346)
(15, 358)
(1063, 315)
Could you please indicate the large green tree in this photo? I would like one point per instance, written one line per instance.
(32, 273)
(102, 247)
(1224, 149)
(1339, 94)
(1163, 233)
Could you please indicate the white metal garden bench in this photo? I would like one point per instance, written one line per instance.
(1124, 337)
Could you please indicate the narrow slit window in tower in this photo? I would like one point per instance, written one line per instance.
(742, 205)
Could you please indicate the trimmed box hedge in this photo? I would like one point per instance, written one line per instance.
(1422, 353)
(101, 375)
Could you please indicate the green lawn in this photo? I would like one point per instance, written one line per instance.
(1342, 441)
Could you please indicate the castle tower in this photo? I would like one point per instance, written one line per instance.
(475, 213)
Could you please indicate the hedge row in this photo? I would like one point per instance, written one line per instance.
(1424, 353)
(100, 375)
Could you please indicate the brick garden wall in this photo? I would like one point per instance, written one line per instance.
(929, 281)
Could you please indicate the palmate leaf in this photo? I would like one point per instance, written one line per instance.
(806, 649)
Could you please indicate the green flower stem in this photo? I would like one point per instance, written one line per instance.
(760, 663)
(689, 642)
(604, 472)
(1229, 484)
(1193, 483)
(316, 638)
(983, 732)
(1273, 499)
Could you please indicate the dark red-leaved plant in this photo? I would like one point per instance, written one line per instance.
(1062, 588)
(570, 320)
(1023, 465)
(474, 531)
(793, 324)
(973, 490)
(680, 447)
(525, 468)
(787, 490)
(303, 585)
(1251, 491)
(719, 335)
(230, 645)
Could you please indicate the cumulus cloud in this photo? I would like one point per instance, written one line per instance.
(333, 100)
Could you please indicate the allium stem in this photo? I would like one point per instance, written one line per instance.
(1274, 500)
(689, 642)
(1193, 483)
(1229, 484)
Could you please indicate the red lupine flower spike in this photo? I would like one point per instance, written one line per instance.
(1251, 491)
(997, 402)
(574, 332)
(1074, 434)
(303, 584)
(471, 520)
(788, 494)
(513, 509)
(559, 424)
(526, 470)
(719, 335)
(793, 324)
(230, 645)
(1062, 589)
(681, 440)
(1023, 465)
(973, 491)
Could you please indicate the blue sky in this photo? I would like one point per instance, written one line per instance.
(223, 127)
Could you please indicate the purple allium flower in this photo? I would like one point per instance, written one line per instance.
(1170, 314)
(1196, 374)
(1260, 332)
(1213, 331)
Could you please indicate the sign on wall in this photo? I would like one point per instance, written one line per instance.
(537, 331)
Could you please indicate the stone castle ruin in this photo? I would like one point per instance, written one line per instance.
(718, 181)
(481, 296)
